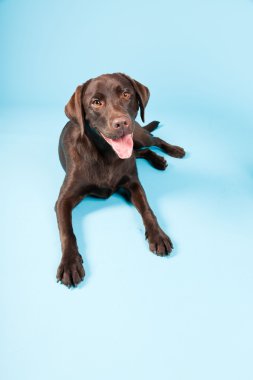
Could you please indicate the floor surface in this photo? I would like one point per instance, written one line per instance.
(136, 315)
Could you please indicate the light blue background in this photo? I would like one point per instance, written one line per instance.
(136, 316)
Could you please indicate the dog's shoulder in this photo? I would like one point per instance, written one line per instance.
(70, 134)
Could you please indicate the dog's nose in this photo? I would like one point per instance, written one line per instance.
(121, 122)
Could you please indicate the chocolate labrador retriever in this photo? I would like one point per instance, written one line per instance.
(97, 149)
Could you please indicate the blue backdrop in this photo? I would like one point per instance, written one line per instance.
(136, 316)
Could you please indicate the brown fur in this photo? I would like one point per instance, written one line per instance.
(93, 168)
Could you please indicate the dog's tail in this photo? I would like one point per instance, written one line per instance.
(151, 126)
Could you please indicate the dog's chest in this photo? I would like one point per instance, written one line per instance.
(104, 179)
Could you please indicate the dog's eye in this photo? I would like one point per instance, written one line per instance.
(126, 95)
(96, 103)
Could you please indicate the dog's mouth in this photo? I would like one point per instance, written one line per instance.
(123, 146)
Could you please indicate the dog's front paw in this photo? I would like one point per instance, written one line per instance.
(159, 242)
(70, 271)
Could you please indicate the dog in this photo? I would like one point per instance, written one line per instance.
(98, 148)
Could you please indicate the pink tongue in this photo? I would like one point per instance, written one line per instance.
(122, 146)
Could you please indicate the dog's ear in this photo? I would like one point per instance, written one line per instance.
(74, 108)
(142, 93)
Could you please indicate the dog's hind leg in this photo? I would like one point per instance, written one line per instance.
(172, 150)
(154, 159)
(151, 126)
(143, 138)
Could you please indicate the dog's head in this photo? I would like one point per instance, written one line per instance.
(109, 103)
